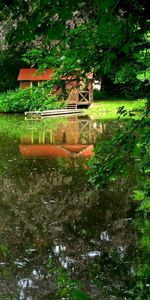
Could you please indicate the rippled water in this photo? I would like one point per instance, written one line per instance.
(55, 230)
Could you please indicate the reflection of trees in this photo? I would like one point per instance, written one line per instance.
(142, 262)
(44, 206)
(48, 210)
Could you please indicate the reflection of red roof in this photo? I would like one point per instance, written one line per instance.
(74, 148)
(56, 150)
(34, 75)
(87, 152)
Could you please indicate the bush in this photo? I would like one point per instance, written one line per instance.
(98, 95)
(28, 99)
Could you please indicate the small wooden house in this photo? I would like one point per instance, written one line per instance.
(80, 92)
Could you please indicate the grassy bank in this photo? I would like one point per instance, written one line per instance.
(108, 109)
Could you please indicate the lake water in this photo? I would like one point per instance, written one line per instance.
(56, 232)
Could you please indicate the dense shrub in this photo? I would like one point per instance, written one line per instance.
(28, 99)
(10, 64)
(98, 95)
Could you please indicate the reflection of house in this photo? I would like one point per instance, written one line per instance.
(80, 92)
(73, 138)
(56, 150)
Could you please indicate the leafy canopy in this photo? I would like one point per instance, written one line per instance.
(109, 36)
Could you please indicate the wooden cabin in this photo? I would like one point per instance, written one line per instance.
(80, 92)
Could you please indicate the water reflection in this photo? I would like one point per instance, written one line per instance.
(52, 220)
(74, 137)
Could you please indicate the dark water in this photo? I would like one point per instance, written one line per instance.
(56, 232)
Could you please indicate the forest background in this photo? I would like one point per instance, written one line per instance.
(111, 38)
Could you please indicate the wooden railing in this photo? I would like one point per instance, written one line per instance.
(79, 97)
(83, 97)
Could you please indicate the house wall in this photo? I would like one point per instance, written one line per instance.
(25, 84)
(73, 88)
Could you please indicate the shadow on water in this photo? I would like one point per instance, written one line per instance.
(55, 230)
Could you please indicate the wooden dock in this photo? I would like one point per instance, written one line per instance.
(52, 113)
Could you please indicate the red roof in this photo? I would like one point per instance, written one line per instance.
(73, 77)
(34, 75)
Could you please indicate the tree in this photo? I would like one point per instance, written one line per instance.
(109, 36)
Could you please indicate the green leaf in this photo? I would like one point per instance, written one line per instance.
(79, 295)
(138, 195)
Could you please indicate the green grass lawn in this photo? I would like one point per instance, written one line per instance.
(108, 109)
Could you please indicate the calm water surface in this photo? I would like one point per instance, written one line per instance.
(55, 230)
